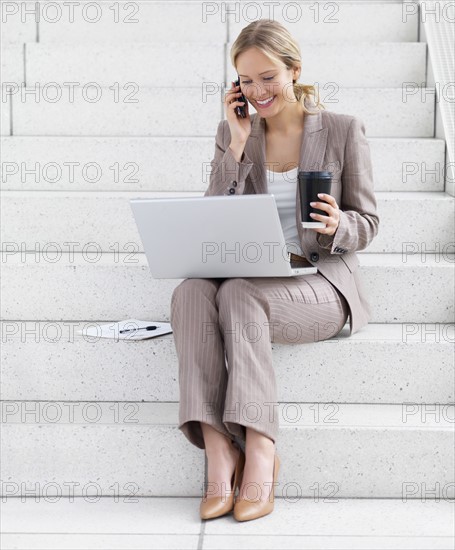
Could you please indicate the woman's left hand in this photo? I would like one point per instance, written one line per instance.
(332, 220)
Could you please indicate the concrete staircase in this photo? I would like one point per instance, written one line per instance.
(364, 416)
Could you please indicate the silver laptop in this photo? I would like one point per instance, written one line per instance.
(220, 236)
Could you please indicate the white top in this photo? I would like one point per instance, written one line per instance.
(283, 185)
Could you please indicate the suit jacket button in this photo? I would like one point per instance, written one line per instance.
(231, 190)
(314, 256)
(234, 183)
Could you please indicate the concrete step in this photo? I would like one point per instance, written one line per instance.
(157, 21)
(5, 117)
(195, 64)
(366, 64)
(106, 218)
(150, 523)
(382, 363)
(88, 285)
(131, 110)
(362, 451)
(19, 23)
(12, 65)
(358, 64)
(142, 164)
(372, 22)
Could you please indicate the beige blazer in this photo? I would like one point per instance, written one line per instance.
(334, 142)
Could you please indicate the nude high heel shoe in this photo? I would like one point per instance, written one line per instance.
(214, 507)
(246, 509)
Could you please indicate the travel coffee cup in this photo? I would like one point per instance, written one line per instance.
(310, 184)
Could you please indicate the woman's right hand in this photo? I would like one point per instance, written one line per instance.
(240, 127)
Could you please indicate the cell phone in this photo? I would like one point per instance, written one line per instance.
(241, 109)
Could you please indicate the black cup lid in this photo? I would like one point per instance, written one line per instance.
(316, 174)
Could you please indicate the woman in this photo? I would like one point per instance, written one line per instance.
(262, 153)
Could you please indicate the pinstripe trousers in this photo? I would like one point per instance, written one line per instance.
(223, 330)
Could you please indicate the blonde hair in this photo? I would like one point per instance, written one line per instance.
(277, 43)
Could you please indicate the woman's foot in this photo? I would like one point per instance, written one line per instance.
(224, 470)
(246, 509)
(221, 464)
(222, 455)
(257, 491)
(258, 473)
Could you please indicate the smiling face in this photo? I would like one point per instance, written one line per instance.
(261, 79)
